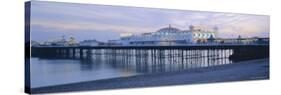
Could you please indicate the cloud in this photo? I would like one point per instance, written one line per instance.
(64, 17)
(241, 24)
(94, 27)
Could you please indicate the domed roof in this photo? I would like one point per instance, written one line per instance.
(169, 30)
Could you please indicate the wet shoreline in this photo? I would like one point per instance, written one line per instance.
(245, 70)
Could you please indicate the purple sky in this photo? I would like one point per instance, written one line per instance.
(51, 20)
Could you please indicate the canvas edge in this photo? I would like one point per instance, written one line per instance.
(27, 83)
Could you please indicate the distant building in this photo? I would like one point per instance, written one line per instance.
(62, 42)
(116, 42)
(241, 40)
(72, 42)
(89, 43)
(35, 43)
(46, 43)
(168, 36)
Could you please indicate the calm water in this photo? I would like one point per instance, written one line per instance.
(47, 72)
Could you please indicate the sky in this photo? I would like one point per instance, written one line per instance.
(52, 20)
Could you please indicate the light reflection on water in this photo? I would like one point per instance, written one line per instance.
(103, 65)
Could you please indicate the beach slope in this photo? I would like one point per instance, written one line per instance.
(244, 70)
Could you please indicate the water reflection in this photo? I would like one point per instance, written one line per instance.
(154, 61)
(108, 63)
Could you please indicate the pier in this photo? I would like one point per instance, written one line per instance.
(156, 54)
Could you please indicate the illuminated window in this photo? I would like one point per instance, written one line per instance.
(204, 35)
(198, 35)
(195, 35)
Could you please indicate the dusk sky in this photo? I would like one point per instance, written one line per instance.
(51, 20)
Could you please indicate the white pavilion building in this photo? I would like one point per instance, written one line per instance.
(170, 36)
